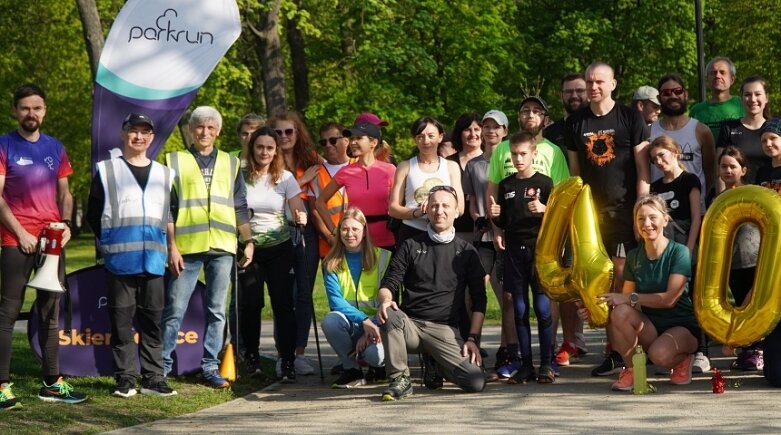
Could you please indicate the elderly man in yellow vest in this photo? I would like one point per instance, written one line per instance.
(208, 205)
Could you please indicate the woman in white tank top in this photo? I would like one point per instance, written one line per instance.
(416, 176)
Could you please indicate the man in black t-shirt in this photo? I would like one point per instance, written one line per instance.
(606, 146)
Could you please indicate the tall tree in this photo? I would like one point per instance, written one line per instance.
(93, 32)
(270, 53)
(295, 39)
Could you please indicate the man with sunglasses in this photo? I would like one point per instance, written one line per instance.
(606, 143)
(430, 274)
(333, 146)
(698, 150)
(722, 106)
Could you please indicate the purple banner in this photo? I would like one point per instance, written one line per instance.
(86, 350)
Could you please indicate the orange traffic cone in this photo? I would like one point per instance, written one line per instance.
(228, 364)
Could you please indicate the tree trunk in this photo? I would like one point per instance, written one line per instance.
(295, 40)
(93, 32)
(271, 61)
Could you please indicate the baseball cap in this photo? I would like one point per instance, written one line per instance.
(647, 93)
(137, 119)
(537, 100)
(363, 129)
(498, 116)
(772, 125)
(370, 118)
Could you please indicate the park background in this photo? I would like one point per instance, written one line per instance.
(330, 60)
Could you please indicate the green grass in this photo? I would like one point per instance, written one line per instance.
(103, 412)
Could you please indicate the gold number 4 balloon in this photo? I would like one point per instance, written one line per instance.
(571, 212)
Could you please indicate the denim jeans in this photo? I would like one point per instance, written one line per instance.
(342, 335)
(306, 260)
(218, 271)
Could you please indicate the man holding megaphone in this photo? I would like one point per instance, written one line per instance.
(34, 170)
(129, 206)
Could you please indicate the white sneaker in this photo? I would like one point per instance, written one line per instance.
(701, 363)
(303, 367)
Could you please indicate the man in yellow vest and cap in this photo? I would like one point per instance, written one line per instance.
(208, 206)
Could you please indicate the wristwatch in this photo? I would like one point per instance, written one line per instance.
(634, 298)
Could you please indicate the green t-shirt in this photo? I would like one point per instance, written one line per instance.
(651, 276)
(550, 161)
(714, 114)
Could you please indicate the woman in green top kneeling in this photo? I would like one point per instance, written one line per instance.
(654, 309)
(352, 271)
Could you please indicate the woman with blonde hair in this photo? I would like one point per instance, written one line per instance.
(654, 309)
(352, 271)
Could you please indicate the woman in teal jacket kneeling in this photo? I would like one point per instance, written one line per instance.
(352, 271)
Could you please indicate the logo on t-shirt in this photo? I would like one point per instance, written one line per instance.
(687, 155)
(509, 195)
(600, 147)
(531, 193)
(24, 161)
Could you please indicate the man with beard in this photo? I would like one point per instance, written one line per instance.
(721, 106)
(646, 101)
(550, 161)
(605, 143)
(34, 170)
(573, 96)
(698, 152)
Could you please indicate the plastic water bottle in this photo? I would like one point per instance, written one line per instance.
(639, 374)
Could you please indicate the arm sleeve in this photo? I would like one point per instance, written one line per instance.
(65, 164)
(336, 299)
(466, 180)
(496, 165)
(240, 200)
(394, 274)
(680, 261)
(476, 280)
(292, 189)
(95, 204)
(629, 266)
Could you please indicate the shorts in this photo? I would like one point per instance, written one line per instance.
(617, 232)
(693, 328)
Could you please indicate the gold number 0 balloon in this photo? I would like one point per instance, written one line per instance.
(758, 316)
(571, 210)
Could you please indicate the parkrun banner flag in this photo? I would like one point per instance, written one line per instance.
(156, 57)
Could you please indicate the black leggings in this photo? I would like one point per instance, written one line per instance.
(271, 266)
(15, 269)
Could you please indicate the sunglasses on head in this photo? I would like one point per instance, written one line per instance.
(331, 140)
(672, 91)
(445, 188)
(285, 132)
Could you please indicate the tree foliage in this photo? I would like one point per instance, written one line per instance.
(402, 58)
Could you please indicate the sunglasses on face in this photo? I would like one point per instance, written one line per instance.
(332, 140)
(449, 189)
(285, 132)
(672, 91)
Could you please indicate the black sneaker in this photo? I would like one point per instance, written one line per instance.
(60, 391)
(288, 372)
(432, 379)
(157, 386)
(399, 388)
(524, 374)
(349, 379)
(376, 375)
(612, 364)
(126, 387)
(252, 362)
(337, 369)
(501, 357)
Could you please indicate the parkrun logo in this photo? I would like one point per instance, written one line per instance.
(90, 338)
(166, 33)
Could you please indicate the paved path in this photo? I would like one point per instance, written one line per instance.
(576, 403)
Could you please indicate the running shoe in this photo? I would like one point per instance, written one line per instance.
(399, 388)
(157, 386)
(288, 372)
(509, 368)
(701, 363)
(682, 373)
(60, 391)
(303, 367)
(8, 401)
(612, 364)
(625, 381)
(126, 387)
(350, 378)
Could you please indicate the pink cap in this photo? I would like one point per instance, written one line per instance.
(370, 118)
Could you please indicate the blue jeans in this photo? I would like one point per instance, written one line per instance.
(307, 257)
(520, 277)
(218, 271)
(342, 335)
